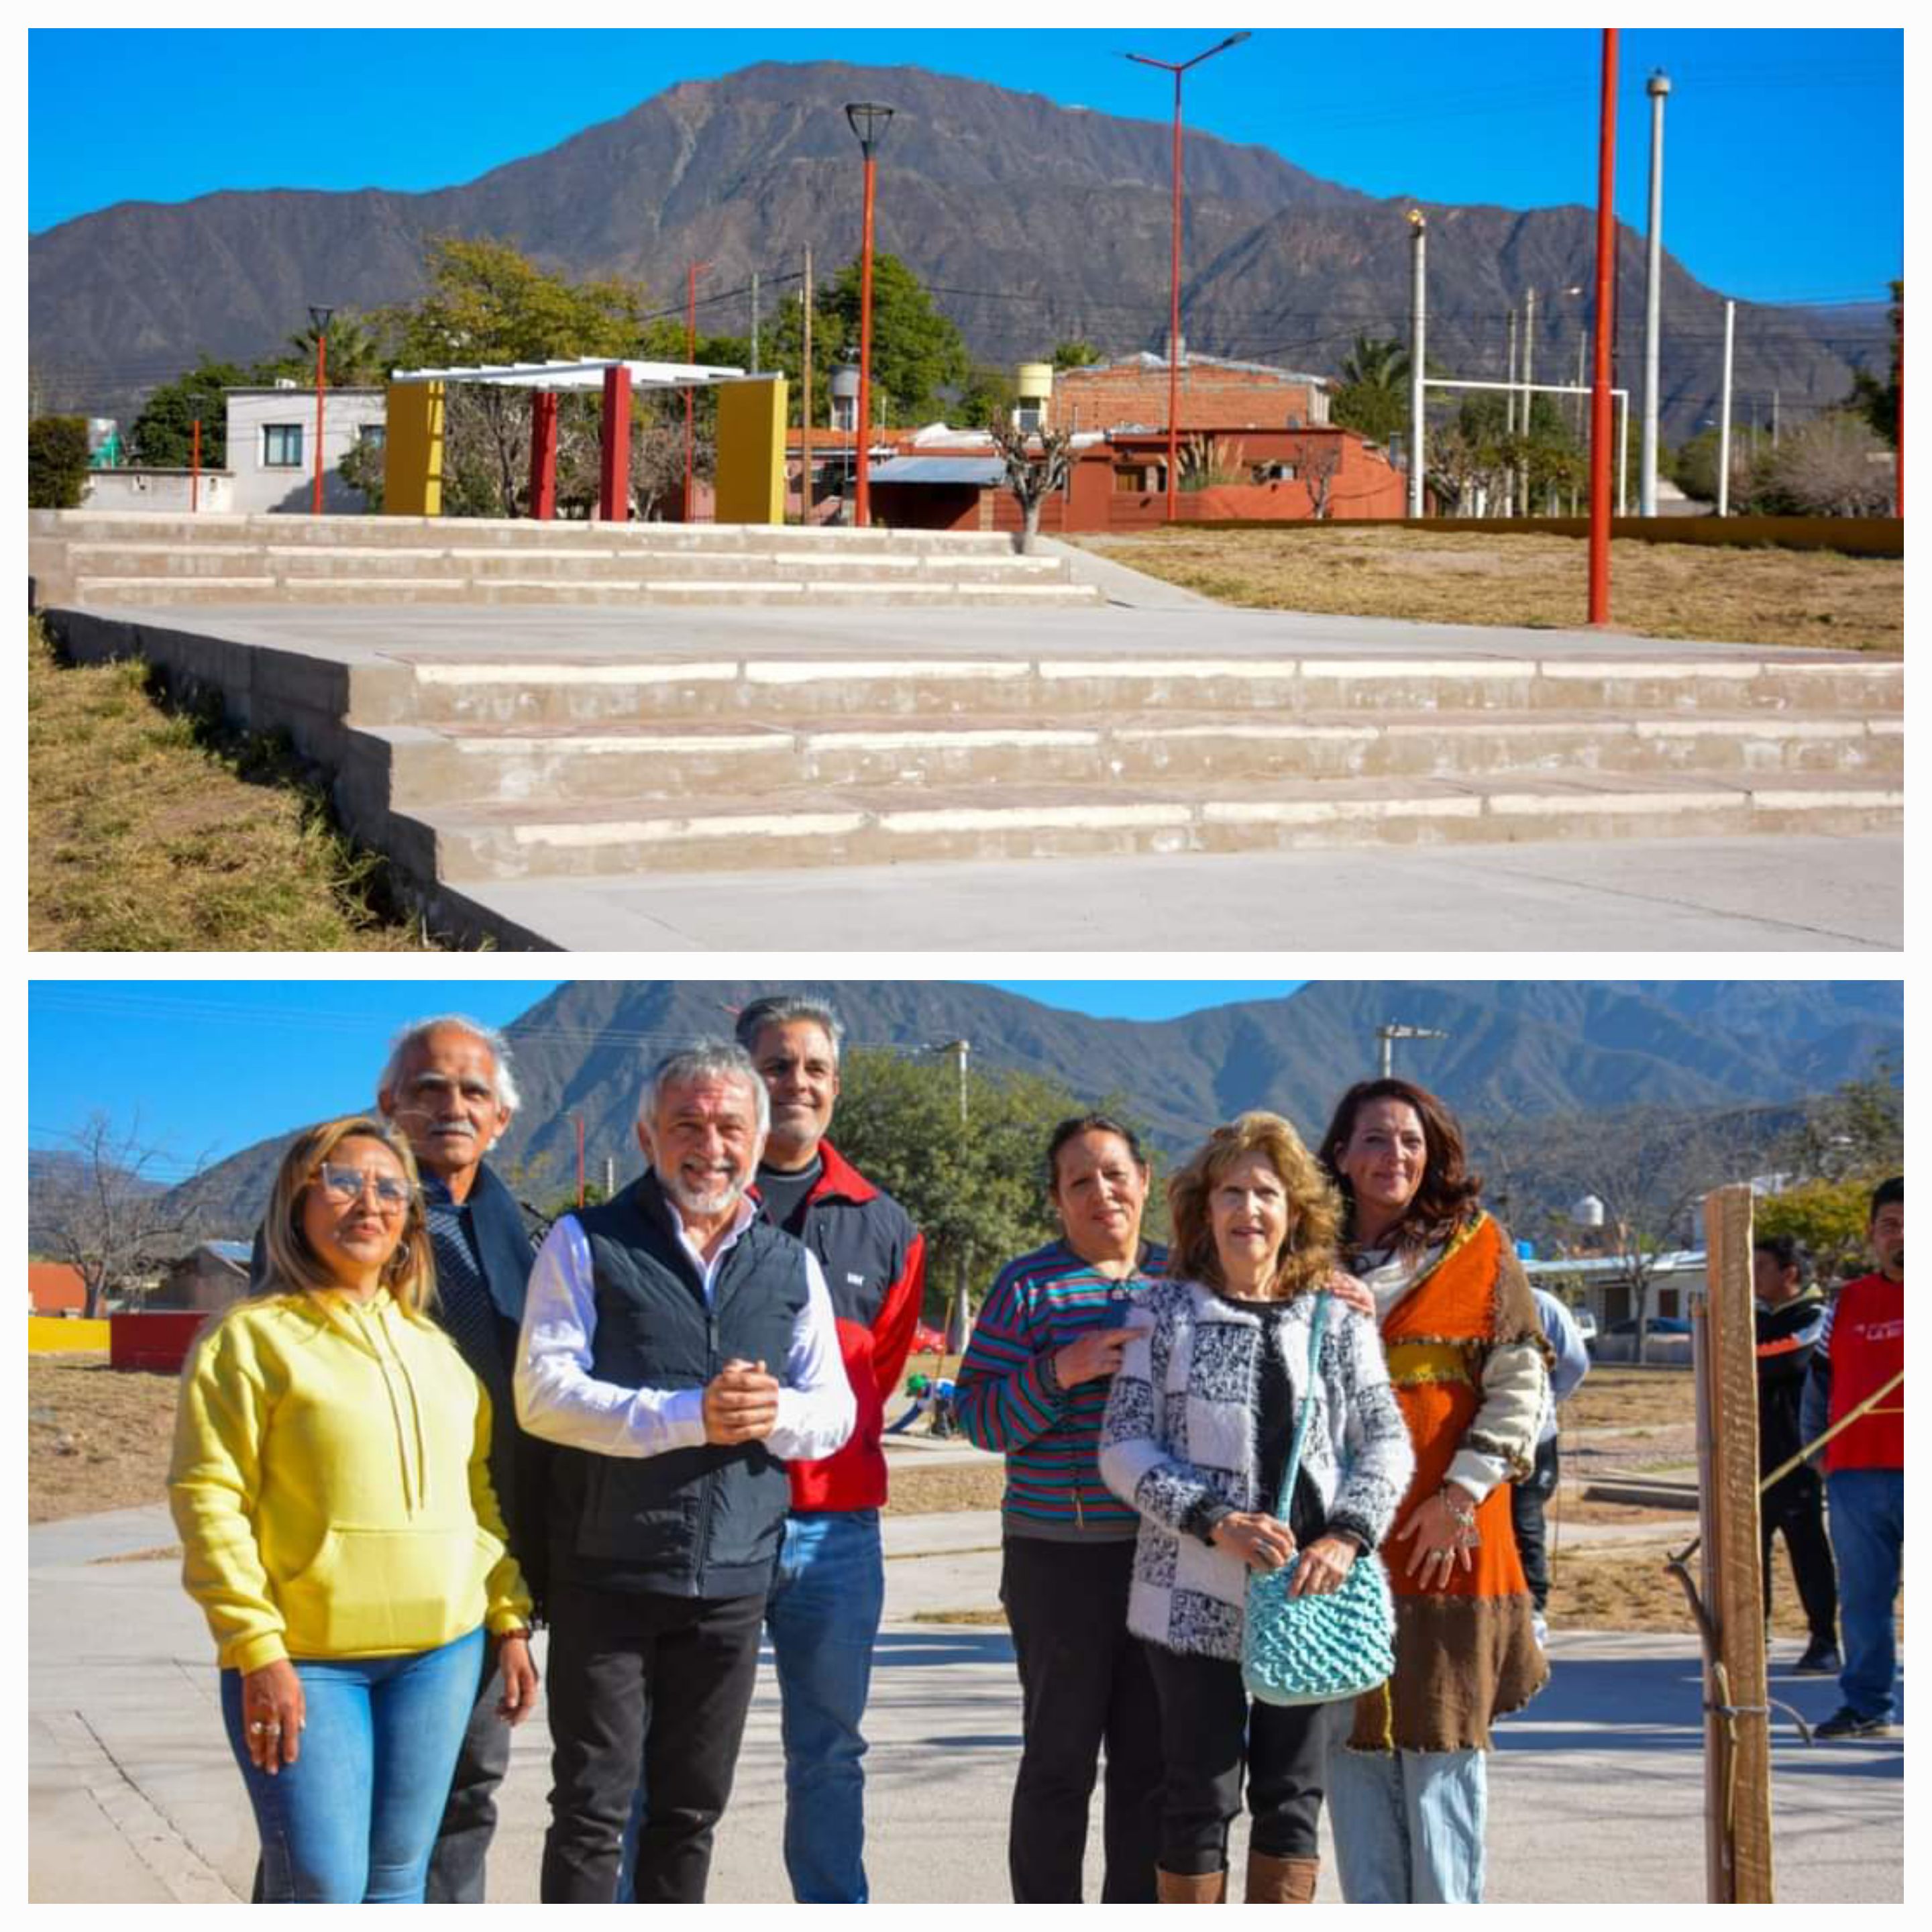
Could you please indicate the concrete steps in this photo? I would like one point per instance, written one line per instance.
(128, 559)
(672, 759)
(462, 842)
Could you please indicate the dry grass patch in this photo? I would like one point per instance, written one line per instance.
(151, 828)
(1628, 1398)
(947, 1485)
(96, 1439)
(1756, 596)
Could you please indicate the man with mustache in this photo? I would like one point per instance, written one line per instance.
(682, 1350)
(449, 1086)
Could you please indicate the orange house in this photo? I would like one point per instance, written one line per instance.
(54, 1288)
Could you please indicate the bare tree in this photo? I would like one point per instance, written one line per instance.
(104, 1211)
(1037, 463)
(1837, 465)
(1317, 465)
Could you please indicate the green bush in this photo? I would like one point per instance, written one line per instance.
(56, 462)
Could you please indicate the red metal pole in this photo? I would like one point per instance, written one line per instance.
(1173, 327)
(321, 380)
(194, 469)
(1599, 383)
(580, 1160)
(862, 508)
(1898, 427)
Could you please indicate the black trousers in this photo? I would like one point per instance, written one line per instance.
(1083, 1689)
(666, 1680)
(1528, 1501)
(1796, 1505)
(1211, 1731)
(469, 1823)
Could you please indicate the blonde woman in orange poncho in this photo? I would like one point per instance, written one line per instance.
(1407, 1798)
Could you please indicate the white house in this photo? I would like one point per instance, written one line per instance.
(271, 445)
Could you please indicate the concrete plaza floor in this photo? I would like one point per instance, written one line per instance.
(1596, 1789)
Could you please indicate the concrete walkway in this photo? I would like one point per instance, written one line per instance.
(1595, 1790)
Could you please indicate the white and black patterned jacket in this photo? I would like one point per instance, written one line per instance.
(1179, 1443)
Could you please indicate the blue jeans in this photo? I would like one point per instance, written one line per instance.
(1408, 1825)
(354, 1818)
(1867, 1518)
(822, 1615)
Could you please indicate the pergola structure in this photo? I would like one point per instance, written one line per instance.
(750, 432)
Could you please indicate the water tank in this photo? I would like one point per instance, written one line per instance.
(1587, 1212)
(845, 383)
(1033, 382)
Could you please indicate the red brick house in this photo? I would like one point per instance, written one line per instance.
(1130, 392)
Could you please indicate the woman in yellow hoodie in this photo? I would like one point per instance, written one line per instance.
(331, 1487)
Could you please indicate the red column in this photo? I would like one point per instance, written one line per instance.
(543, 453)
(613, 495)
(1600, 457)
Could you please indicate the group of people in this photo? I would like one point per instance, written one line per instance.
(659, 1435)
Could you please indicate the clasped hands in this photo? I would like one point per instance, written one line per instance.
(741, 1403)
(1263, 1542)
(1443, 1528)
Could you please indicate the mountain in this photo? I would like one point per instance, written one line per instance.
(1033, 222)
(1515, 1049)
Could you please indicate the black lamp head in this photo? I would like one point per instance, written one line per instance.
(320, 317)
(870, 120)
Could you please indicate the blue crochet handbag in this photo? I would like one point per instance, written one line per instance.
(1316, 1649)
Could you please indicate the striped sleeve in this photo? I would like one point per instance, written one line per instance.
(1003, 1394)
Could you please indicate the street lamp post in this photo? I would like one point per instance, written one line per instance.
(869, 121)
(691, 273)
(1177, 68)
(320, 317)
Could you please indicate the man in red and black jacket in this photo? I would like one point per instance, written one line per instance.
(1861, 1348)
(828, 1594)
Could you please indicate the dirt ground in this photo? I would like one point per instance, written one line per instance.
(95, 1440)
(1755, 596)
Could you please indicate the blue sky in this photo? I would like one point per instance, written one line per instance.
(1785, 148)
(213, 1066)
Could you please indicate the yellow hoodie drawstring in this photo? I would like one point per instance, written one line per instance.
(385, 1351)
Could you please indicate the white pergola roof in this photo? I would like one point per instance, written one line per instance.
(568, 375)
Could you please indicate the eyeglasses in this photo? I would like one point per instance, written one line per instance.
(345, 1184)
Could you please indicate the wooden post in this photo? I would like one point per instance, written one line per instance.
(1737, 1758)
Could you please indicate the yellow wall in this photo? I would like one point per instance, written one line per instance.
(751, 452)
(413, 450)
(50, 1335)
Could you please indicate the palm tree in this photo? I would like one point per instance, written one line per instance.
(1374, 395)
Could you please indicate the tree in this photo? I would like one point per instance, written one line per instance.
(1373, 398)
(1857, 1132)
(56, 463)
(978, 1190)
(162, 435)
(358, 356)
(987, 398)
(1878, 402)
(488, 303)
(1836, 465)
(1317, 465)
(1074, 353)
(917, 352)
(100, 1210)
(1830, 1217)
(1037, 465)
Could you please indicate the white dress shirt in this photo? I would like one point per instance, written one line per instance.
(559, 1399)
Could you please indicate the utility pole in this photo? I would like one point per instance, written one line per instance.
(754, 321)
(959, 1317)
(1774, 419)
(1509, 394)
(1417, 354)
(1528, 390)
(1724, 416)
(1658, 88)
(805, 403)
(1392, 1030)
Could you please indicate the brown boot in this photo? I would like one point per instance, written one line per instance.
(1192, 1887)
(1281, 1881)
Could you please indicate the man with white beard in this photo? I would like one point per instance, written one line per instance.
(681, 1350)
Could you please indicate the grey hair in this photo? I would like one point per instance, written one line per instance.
(706, 1059)
(417, 1031)
(781, 1010)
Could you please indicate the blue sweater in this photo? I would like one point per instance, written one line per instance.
(1007, 1399)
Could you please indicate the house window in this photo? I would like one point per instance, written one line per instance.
(281, 445)
(1027, 417)
(374, 435)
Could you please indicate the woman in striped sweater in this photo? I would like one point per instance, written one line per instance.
(1033, 1385)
